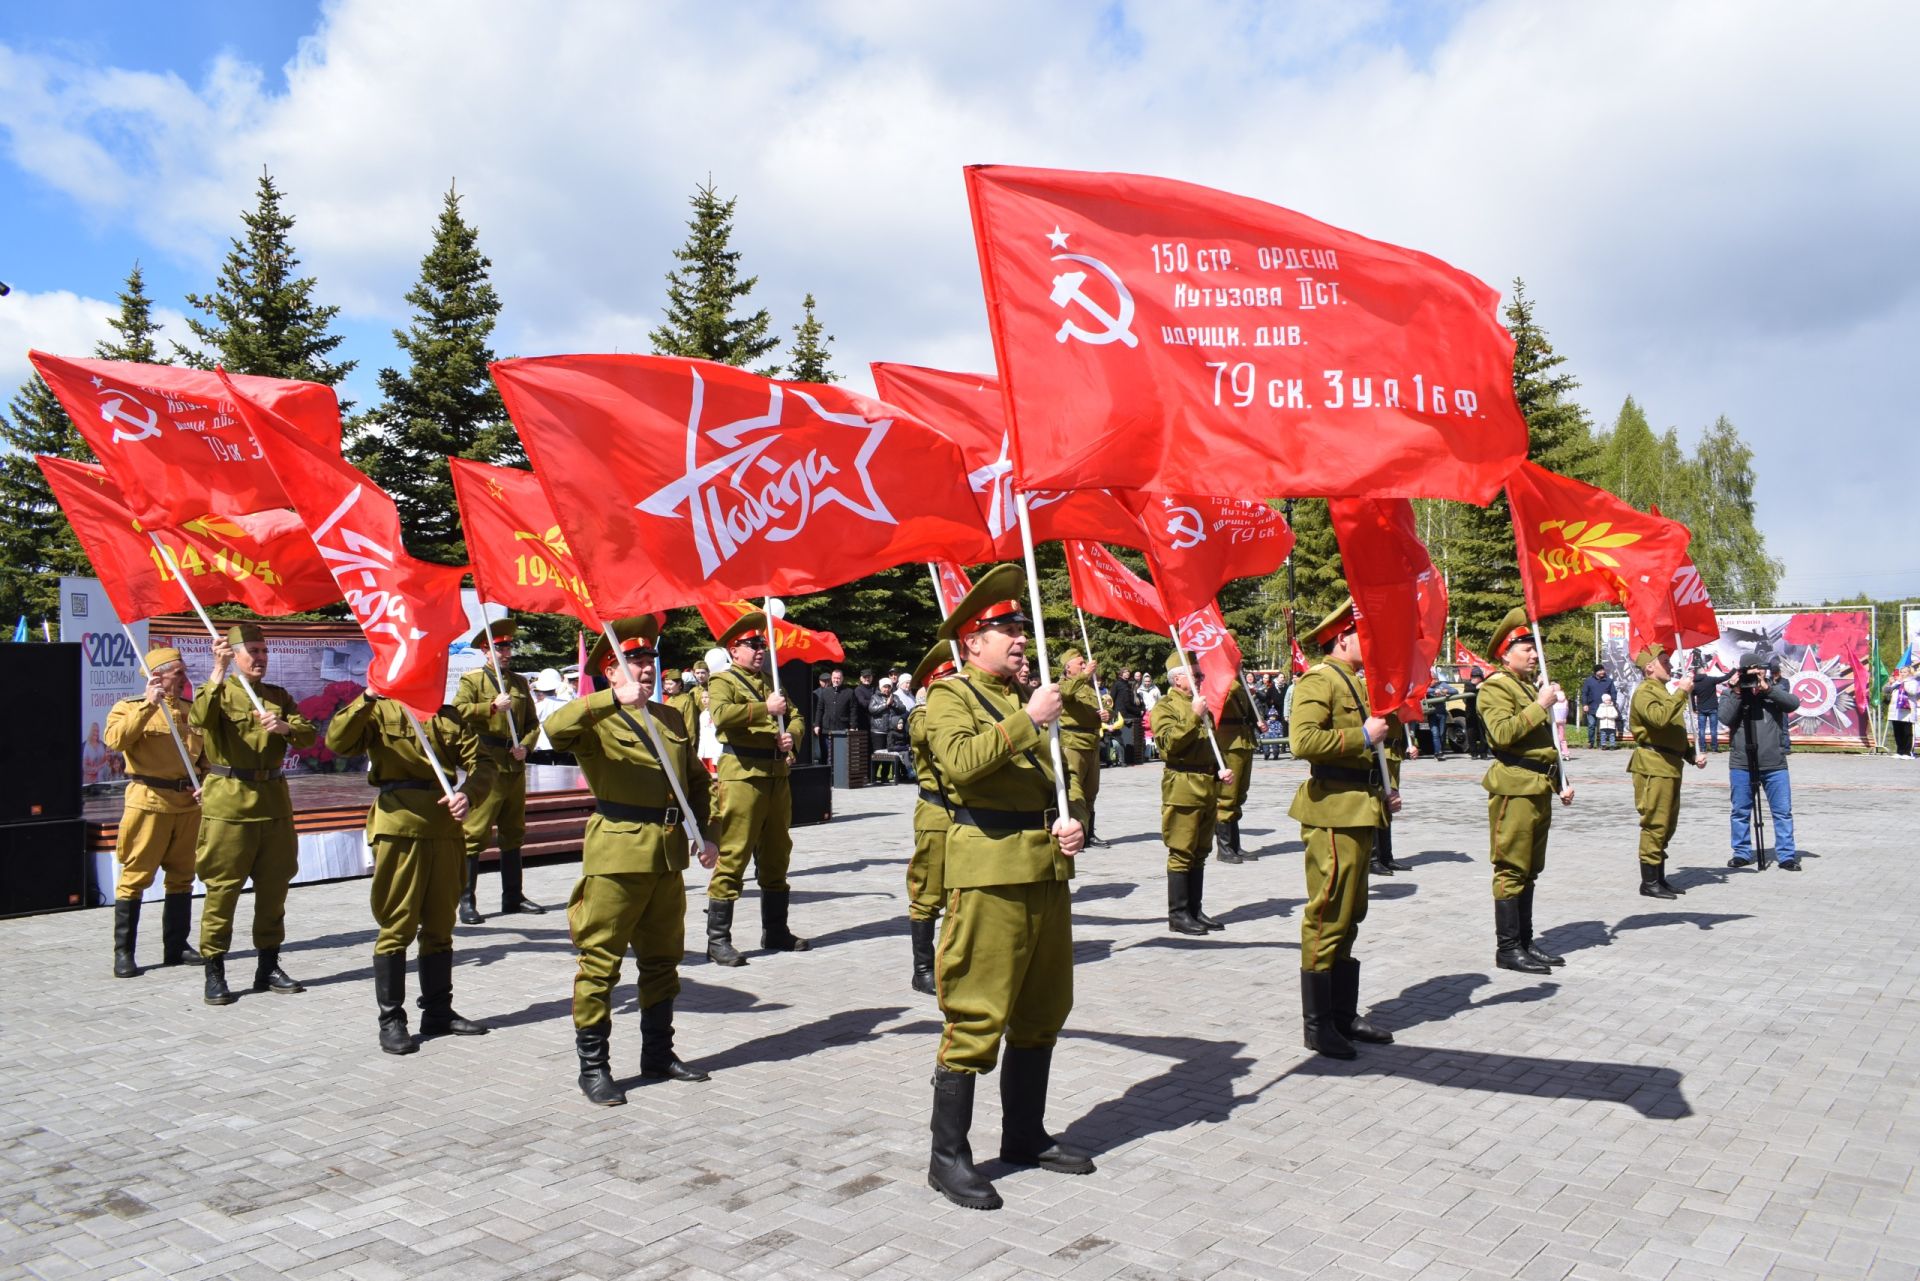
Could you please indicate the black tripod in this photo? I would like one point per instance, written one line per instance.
(1749, 712)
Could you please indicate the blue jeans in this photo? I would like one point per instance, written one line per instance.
(1706, 732)
(1779, 792)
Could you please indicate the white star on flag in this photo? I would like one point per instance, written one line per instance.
(1057, 238)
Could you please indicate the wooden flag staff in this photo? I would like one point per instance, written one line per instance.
(1040, 645)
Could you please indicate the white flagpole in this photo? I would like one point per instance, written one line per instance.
(1040, 644)
(1193, 684)
(446, 784)
(167, 554)
(178, 742)
(1098, 689)
(500, 680)
(773, 651)
(660, 752)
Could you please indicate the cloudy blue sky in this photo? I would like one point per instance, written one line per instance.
(1715, 205)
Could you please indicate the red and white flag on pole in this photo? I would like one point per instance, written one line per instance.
(1399, 599)
(950, 585)
(794, 643)
(1580, 545)
(1197, 545)
(520, 558)
(1155, 335)
(171, 440)
(967, 409)
(679, 481)
(1103, 585)
(410, 611)
(1210, 647)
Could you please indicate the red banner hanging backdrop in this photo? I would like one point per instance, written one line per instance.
(520, 558)
(1156, 335)
(796, 644)
(1103, 585)
(966, 408)
(1400, 602)
(170, 437)
(1210, 647)
(679, 481)
(1198, 545)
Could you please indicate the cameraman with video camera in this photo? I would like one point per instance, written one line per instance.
(1754, 707)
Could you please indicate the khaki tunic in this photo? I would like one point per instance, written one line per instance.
(1337, 817)
(926, 870)
(1005, 962)
(1239, 734)
(1661, 750)
(1080, 733)
(1190, 785)
(753, 802)
(159, 826)
(504, 806)
(1519, 800)
(246, 827)
(632, 893)
(418, 874)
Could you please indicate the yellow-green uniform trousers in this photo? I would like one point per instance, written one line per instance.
(419, 864)
(504, 806)
(1005, 962)
(1337, 816)
(753, 801)
(631, 893)
(1080, 735)
(246, 826)
(1519, 801)
(1661, 749)
(1190, 785)
(1238, 733)
(926, 870)
(160, 826)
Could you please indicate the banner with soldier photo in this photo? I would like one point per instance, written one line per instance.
(1826, 655)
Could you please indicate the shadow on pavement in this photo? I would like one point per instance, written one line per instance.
(1653, 1092)
(1193, 943)
(857, 865)
(1438, 999)
(1259, 911)
(1575, 935)
(1425, 857)
(1380, 888)
(848, 1027)
(1197, 1087)
(1110, 889)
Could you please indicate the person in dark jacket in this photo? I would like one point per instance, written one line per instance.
(1591, 690)
(1754, 707)
(880, 718)
(1126, 701)
(832, 711)
(1706, 709)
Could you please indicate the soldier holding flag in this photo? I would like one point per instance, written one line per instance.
(1238, 732)
(926, 870)
(496, 713)
(1661, 750)
(1190, 796)
(1080, 728)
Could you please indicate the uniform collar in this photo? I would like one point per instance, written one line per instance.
(999, 684)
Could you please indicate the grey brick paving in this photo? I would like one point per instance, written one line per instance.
(1717, 1087)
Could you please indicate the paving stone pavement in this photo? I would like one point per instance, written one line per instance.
(1722, 1086)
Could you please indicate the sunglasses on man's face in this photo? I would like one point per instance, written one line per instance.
(753, 642)
(644, 656)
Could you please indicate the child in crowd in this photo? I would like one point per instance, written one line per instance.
(1609, 717)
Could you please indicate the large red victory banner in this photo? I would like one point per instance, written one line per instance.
(967, 409)
(520, 558)
(1197, 545)
(171, 437)
(1155, 335)
(1579, 545)
(1102, 584)
(409, 610)
(679, 481)
(1210, 647)
(267, 564)
(1399, 599)
(794, 642)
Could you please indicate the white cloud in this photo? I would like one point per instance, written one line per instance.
(1712, 203)
(63, 324)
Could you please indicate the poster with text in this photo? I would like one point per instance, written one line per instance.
(109, 671)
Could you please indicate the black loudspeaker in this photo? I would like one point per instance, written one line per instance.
(40, 753)
(43, 866)
(812, 794)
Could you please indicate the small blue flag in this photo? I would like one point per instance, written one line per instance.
(20, 631)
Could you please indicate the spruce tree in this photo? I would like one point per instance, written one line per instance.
(443, 404)
(135, 325)
(261, 317)
(36, 543)
(705, 291)
(1728, 547)
(807, 360)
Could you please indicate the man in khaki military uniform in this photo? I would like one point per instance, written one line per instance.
(413, 829)
(1521, 783)
(632, 893)
(1238, 733)
(1005, 962)
(1080, 730)
(1190, 789)
(753, 801)
(1339, 806)
(926, 870)
(503, 807)
(246, 823)
(1661, 750)
(160, 824)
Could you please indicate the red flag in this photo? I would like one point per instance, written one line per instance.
(269, 570)
(1694, 621)
(171, 439)
(795, 643)
(409, 610)
(966, 409)
(680, 481)
(1102, 584)
(1580, 545)
(1300, 663)
(1210, 647)
(520, 557)
(1399, 600)
(950, 585)
(1197, 545)
(1155, 335)
(1464, 657)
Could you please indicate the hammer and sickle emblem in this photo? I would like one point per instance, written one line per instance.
(111, 411)
(1067, 289)
(1185, 528)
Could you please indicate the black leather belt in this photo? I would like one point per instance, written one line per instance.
(1004, 820)
(500, 741)
(933, 798)
(750, 753)
(1344, 774)
(161, 784)
(246, 775)
(1522, 762)
(408, 785)
(667, 817)
(1189, 769)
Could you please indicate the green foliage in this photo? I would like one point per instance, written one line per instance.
(807, 360)
(443, 404)
(135, 325)
(1728, 546)
(261, 317)
(703, 293)
(36, 543)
